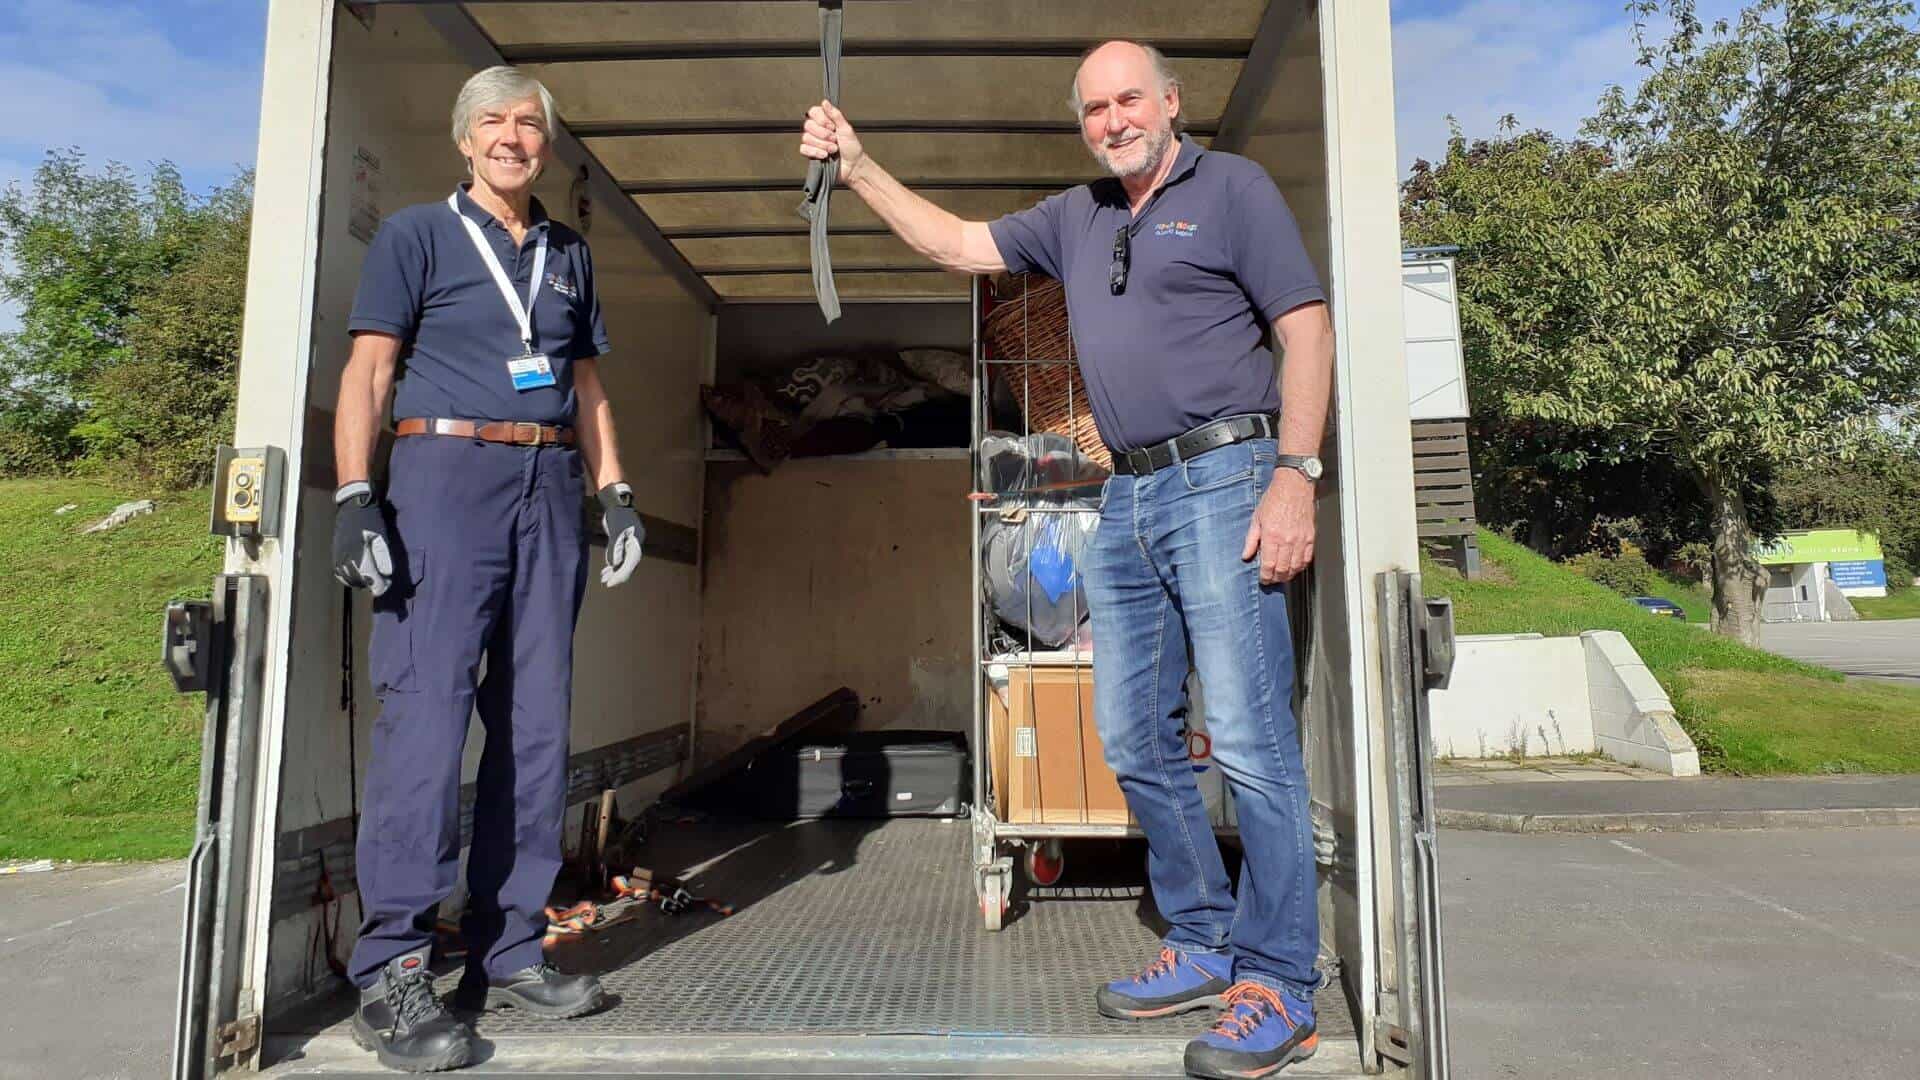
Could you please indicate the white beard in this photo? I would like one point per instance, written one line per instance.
(1156, 149)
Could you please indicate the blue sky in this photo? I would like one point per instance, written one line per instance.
(135, 81)
(139, 81)
(1544, 61)
(143, 80)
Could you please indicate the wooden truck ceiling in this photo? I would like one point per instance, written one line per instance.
(694, 107)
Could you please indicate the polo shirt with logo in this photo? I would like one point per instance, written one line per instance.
(1216, 256)
(424, 283)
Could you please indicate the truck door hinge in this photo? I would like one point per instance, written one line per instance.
(1393, 1042)
(1333, 850)
(242, 1036)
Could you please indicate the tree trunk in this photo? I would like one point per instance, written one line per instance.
(1540, 522)
(1739, 583)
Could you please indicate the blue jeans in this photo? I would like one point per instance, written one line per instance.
(1166, 584)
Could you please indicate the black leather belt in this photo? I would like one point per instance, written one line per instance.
(1208, 436)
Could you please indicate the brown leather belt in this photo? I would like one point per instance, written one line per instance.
(517, 432)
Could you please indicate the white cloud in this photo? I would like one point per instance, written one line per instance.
(108, 79)
(134, 82)
(1545, 64)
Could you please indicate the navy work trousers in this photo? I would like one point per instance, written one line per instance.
(490, 560)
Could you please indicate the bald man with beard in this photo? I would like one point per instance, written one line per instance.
(1184, 271)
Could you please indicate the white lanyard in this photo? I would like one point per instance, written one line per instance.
(522, 313)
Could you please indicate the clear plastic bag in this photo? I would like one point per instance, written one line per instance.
(1049, 495)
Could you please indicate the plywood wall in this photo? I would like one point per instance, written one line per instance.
(829, 573)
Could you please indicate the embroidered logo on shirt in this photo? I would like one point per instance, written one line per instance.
(1175, 228)
(563, 286)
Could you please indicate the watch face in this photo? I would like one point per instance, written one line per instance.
(1312, 468)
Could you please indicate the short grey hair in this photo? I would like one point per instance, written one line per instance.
(1162, 71)
(492, 88)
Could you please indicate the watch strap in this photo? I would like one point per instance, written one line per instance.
(1299, 463)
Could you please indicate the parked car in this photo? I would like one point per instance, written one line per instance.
(1660, 605)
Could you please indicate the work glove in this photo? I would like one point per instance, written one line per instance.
(624, 533)
(362, 557)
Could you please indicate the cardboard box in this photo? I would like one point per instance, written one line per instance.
(1045, 757)
(1047, 763)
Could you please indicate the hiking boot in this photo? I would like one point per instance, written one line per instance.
(1261, 1032)
(541, 990)
(1176, 982)
(405, 1025)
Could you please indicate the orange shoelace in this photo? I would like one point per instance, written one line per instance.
(1165, 965)
(1247, 1003)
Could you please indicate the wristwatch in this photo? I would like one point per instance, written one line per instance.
(1305, 464)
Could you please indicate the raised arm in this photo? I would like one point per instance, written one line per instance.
(953, 244)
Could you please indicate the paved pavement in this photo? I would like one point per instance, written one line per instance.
(1725, 955)
(1575, 795)
(1704, 793)
(1887, 650)
(91, 957)
(1466, 772)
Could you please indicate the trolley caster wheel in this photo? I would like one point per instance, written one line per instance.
(996, 893)
(1046, 863)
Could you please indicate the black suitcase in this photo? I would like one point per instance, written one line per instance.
(872, 774)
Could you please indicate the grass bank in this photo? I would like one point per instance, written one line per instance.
(99, 757)
(1749, 711)
(1904, 604)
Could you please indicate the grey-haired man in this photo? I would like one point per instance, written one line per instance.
(479, 313)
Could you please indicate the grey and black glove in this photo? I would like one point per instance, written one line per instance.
(362, 557)
(624, 533)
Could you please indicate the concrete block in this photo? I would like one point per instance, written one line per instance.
(1514, 694)
(1632, 715)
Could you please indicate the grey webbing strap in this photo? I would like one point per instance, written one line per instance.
(821, 175)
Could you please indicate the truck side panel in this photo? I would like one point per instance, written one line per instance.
(1321, 125)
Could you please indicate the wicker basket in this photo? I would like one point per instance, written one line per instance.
(1029, 319)
(1039, 370)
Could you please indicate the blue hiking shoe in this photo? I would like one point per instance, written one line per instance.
(1174, 983)
(1261, 1032)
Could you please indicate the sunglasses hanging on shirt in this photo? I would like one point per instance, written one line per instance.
(1123, 247)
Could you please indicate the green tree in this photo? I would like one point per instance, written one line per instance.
(168, 403)
(130, 293)
(1723, 272)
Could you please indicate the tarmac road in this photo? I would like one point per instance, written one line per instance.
(1701, 955)
(1887, 650)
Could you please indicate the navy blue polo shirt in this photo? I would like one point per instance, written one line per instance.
(1216, 257)
(424, 283)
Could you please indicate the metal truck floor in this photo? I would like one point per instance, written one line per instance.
(856, 948)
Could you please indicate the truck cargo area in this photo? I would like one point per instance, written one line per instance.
(855, 947)
(855, 944)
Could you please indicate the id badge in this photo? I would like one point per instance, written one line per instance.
(530, 372)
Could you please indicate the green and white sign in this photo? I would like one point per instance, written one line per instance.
(1820, 545)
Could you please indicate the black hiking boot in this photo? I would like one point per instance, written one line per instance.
(405, 1025)
(541, 990)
